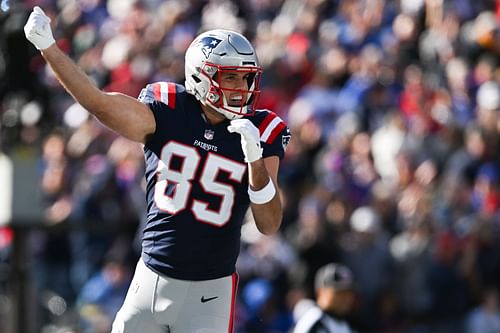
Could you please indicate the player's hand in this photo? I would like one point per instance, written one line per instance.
(250, 138)
(37, 29)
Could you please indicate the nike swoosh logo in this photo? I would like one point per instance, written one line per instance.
(208, 299)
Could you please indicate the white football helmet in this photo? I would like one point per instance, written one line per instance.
(212, 53)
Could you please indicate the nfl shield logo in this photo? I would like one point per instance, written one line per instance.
(209, 134)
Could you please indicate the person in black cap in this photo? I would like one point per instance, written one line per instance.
(334, 287)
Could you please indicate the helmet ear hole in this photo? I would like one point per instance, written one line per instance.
(195, 78)
(212, 97)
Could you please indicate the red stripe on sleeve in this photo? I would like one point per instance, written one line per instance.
(171, 94)
(275, 132)
(265, 122)
(157, 91)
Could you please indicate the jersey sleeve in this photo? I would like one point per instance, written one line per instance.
(163, 92)
(274, 135)
(161, 99)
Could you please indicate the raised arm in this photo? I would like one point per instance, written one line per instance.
(121, 113)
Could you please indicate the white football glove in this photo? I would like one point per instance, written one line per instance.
(37, 29)
(250, 138)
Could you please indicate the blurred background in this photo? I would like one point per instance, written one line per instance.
(393, 167)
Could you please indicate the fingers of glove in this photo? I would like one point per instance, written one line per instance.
(232, 129)
(244, 127)
(235, 126)
(40, 13)
(34, 29)
(29, 29)
(36, 23)
(239, 122)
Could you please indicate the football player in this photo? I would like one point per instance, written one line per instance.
(209, 156)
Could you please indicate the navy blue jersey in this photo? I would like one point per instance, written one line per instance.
(197, 184)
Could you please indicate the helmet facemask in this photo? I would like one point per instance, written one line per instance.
(217, 95)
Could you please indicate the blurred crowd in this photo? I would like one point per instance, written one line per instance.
(393, 168)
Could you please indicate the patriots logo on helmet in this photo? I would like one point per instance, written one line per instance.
(208, 44)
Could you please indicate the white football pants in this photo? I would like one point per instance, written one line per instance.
(159, 304)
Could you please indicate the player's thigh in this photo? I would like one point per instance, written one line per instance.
(136, 315)
(209, 307)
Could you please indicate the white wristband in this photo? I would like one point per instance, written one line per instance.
(263, 195)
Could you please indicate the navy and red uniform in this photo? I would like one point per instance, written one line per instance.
(197, 184)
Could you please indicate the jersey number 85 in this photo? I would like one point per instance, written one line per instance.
(182, 177)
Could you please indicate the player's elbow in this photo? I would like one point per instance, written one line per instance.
(269, 225)
(268, 216)
(268, 230)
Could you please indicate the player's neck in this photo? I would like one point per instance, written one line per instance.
(212, 116)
